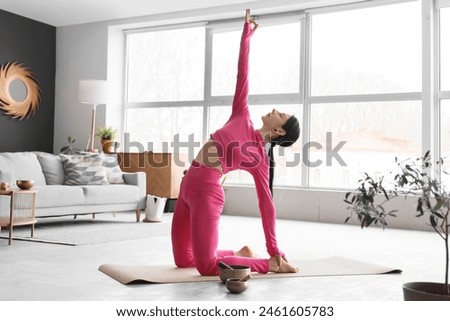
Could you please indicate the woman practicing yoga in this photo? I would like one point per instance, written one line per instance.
(237, 145)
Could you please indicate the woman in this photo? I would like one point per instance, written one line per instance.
(237, 145)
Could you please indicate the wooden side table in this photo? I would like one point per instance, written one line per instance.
(22, 210)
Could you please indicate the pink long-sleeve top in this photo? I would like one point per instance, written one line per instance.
(240, 146)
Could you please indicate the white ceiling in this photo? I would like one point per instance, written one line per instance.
(69, 12)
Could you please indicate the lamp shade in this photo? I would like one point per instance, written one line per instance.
(93, 91)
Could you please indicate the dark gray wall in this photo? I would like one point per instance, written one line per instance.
(33, 44)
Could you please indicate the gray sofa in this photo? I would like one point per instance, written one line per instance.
(56, 199)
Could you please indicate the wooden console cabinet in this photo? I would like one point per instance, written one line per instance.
(164, 170)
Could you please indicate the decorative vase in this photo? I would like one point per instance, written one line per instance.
(154, 208)
(108, 146)
(424, 291)
(4, 186)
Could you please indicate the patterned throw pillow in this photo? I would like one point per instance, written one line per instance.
(113, 171)
(84, 169)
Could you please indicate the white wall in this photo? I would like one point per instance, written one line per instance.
(317, 206)
(81, 53)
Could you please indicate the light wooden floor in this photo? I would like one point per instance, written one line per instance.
(35, 271)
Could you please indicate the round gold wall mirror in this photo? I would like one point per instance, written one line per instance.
(20, 94)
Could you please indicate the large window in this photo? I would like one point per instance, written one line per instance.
(159, 129)
(354, 138)
(166, 96)
(352, 74)
(274, 60)
(165, 85)
(358, 65)
(367, 51)
(166, 65)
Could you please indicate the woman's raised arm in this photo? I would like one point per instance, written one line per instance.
(240, 101)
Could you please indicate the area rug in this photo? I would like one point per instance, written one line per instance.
(86, 230)
(328, 266)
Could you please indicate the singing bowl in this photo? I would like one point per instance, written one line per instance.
(238, 272)
(25, 183)
(234, 285)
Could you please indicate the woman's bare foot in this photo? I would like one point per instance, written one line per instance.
(279, 265)
(245, 252)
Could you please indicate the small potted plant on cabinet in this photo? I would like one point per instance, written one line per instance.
(107, 135)
(414, 177)
(69, 149)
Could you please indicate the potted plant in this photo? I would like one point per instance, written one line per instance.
(414, 177)
(107, 135)
(69, 149)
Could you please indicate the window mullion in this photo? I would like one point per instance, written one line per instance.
(208, 83)
(430, 128)
(164, 104)
(305, 69)
(365, 98)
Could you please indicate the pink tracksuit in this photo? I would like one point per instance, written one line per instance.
(200, 203)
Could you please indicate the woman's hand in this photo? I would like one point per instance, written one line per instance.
(249, 19)
(278, 264)
(279, 259)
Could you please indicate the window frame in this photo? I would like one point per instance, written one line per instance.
(442, 95)
(430, 96)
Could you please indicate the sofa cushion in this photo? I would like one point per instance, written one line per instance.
(84, 169)
(52, 168)
(59, 195)
(6, 170)
(22, 165)
(113, 171)
(111, 194)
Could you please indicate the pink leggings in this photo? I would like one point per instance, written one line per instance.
(195, 225)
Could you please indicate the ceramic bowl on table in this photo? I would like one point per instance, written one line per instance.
(25, 183)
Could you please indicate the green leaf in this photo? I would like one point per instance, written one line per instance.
(438, 215)
(419, 206)
(385, 193)
(438, 204)
(391, 213)
(433, 221)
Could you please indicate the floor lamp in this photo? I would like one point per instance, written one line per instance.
(93, 92)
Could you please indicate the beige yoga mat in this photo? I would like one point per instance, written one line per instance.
(328, 266)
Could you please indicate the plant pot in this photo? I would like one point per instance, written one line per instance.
(424, 291)
(108, 146)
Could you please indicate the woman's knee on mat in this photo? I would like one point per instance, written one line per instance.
(183, 261)
(207, 268)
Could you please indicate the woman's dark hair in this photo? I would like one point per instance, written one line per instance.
(292, 129)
